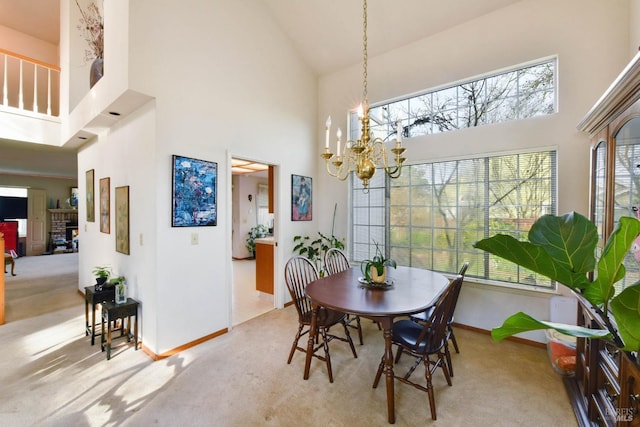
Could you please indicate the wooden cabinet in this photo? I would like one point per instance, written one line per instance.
(605, 388)
(264, 267)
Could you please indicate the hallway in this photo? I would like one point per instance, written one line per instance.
(247, 302)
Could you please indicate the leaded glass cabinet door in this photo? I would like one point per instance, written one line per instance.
(626, 190)
(598, 207)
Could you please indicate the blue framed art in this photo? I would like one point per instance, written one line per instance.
(195, 188)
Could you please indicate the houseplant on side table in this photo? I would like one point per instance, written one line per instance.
(101, 274)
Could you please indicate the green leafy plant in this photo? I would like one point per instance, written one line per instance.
(562, 248)
(315, 249)
(256, 232)
(379, 262)
(101, 273)
(117, 280)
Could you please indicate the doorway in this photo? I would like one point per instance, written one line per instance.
(253, 219)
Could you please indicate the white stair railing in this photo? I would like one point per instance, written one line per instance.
(29, 84)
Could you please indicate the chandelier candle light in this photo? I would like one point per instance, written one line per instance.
(362, 155)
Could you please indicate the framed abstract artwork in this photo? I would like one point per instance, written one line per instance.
(195, 188)
(105, 217)
(73, 198)
(122, 219)
(91, 201)
(301, 198)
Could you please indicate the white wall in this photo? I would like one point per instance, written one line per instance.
(590, 39)
(218, 93)
(244, 211)
(26, 45)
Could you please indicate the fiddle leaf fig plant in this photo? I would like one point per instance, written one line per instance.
(562, 248)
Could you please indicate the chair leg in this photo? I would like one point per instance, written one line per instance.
(432, 398)
(379, 373)
(346, 332)
(442, 364)
(398, 354)
(295, 344)
(359, 329)
(327, 357)
(447, 353)
(452, 337)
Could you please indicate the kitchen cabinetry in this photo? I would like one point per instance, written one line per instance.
(264, 265)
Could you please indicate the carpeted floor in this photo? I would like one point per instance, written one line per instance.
(43, 284)
(52, 376)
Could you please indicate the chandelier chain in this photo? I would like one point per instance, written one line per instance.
(368, 153)
(364, 56)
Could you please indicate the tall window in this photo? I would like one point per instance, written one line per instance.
(433, 213)
(520, 93)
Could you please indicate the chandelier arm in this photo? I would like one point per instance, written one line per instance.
(379, 152)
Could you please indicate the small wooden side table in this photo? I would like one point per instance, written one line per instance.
(94, 297)
(110, 313)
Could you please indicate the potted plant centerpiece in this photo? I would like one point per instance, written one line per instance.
(562, 248)
(375, 269)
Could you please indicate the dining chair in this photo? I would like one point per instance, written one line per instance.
(336, 261)
(423, 317)
(298, 272)
(422, 340)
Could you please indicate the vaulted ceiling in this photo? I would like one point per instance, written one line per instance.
(326, 33)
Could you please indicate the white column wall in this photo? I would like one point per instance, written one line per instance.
(226, 82)
(125, 154)
(590, 39)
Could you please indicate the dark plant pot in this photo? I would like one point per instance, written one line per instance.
(97, 70)
(100, 280)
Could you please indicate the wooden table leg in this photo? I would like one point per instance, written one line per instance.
(312, 337)
(13, 267)
(135, 330)
(86, 317)
(93, 323)
(108, 338)
(387, 326)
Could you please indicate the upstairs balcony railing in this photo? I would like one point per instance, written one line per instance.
(29, 85)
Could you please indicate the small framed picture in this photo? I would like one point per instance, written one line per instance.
(105, 200)
(73, 198)
(301, 198)
(122, 219)
(91, 201)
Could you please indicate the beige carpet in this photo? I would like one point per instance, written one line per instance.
(43, 284)
(50, 375)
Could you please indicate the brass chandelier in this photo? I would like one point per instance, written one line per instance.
(362, 155)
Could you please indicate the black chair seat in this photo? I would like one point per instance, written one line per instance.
(326, 317)
(406, 333)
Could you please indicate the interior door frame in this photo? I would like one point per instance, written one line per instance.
(278, 288)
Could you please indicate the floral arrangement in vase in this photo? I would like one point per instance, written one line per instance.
(91, 27)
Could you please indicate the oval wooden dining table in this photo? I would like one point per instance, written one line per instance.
(413, 290)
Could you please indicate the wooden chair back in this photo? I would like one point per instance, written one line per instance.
(298, 272)
(434, 333)
(335, 261)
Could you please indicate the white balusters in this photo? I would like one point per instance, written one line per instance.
(15, 82)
